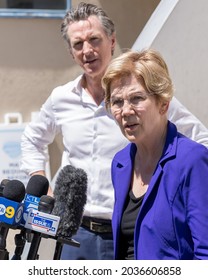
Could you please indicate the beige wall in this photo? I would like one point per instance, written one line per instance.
(183, 40)
(34, 58)
(186, 49)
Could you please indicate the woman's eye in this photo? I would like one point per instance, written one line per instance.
(136, 99)
(117, 102)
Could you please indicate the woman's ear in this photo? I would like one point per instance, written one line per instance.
(164, 107)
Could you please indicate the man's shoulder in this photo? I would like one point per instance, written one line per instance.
(65, 88)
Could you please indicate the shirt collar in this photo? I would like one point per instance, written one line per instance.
(77, 85)
(85, 98)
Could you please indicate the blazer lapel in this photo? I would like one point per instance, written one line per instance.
(123, 182)
(168, 152)
(122, 179)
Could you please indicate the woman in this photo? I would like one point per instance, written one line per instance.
(160, 179)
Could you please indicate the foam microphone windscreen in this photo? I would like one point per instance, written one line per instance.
(2, 185)
(70, 198)
(14, 190)
(4, 182)
(37, 185)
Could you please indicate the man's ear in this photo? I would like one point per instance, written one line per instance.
(113, 40)
(71, 53)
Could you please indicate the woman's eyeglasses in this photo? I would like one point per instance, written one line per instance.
(134, 101)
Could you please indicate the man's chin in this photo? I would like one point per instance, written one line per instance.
(93, 73)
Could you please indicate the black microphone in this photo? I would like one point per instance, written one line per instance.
(14, 190)
(2, 185)
(70, 195)
(36, 187)
(46, 205)
(11, 211)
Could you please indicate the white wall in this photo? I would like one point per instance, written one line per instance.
(178, 29)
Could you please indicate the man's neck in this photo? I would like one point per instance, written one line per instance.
(93, 87)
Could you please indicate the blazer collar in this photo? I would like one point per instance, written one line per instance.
(126, 156)
(124, 166)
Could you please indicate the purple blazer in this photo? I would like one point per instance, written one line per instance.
(173, 219)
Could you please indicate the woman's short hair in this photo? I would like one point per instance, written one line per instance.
(147, 66)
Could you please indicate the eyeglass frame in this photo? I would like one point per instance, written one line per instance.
(135, 94)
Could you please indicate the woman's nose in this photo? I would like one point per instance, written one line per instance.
(127, 108)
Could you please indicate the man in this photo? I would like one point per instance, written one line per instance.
(90, 135)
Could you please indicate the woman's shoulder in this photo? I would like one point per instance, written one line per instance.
(190, 148)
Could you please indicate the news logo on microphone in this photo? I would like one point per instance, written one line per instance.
(10, 211)
(30, 202)
(42, 222)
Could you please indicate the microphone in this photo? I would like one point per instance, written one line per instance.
(2, 185)
(36, 187)
(42, 222)
(46, 204)
(11, 208)
(70, 195)
(11, 211)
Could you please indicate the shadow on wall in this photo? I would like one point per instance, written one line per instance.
(132, 14)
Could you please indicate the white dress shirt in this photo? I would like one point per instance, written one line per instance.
(187, 123)
(91, 138)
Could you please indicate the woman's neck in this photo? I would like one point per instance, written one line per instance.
(145, 162)
(151, 150)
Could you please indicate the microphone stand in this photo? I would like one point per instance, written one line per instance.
(33, 252)
(59, 245)
(4, 254)
(58, 250)
(20, 240)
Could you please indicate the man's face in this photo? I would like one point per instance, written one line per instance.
(91, 48)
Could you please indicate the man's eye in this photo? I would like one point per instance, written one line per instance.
(94, 41)
(77, 45)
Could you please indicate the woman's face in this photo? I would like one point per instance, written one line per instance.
(137, 113)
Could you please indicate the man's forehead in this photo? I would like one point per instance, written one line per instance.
(90, 26)
(91, 22)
